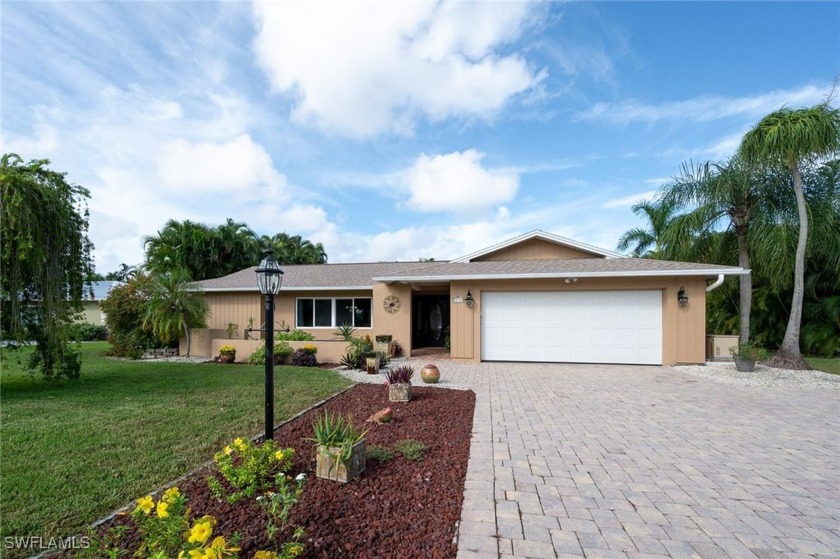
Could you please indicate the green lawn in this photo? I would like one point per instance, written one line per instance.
(825, 364)
(76, 450)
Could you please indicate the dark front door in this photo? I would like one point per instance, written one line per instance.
(429, 320)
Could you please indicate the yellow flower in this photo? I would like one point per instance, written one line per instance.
(279, 455)
(295, 549)
(196, 554)
(146, 504)
(240, 444)
(228, 450)
(200, 532)
(170, 494)
(161, 509)
(265, 555)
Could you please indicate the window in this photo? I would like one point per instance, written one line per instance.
(331, 313)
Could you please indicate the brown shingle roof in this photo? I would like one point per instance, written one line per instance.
(314, 276)
(583, 267)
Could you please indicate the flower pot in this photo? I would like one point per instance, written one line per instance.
(430, 374)
(399, 392)
(372, 365)
(328, 465)
(227, 358)
(744, 364)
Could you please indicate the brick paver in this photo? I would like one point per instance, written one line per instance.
(624, 461)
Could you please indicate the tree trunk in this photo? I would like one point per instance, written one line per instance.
(745, 285)
(789, 356)
(187, 334)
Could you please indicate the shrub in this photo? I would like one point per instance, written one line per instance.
(412, 449)
(310, 349)
(749, 350)
(302, 358)
(295, 336)
(248, 469)
(227, 350)
(125, 311)
(400, 375)
(87, 332)
(282, 351)
(379, 453)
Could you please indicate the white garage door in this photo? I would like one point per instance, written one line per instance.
(572, 326)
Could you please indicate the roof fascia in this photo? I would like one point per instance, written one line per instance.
(284, 289)
(561, 275)
(538, 234)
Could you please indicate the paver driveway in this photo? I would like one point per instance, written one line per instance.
(618, 461)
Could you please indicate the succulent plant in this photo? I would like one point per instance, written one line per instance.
(400, 375)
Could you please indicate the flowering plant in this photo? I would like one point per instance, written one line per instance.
(166, 531)
(227, 350)
(310, 349)
(248, 468)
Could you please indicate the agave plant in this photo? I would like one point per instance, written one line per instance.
(400, 375)
(335, 431)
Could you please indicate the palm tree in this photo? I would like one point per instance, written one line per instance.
(727, 194)
(294, 249)
(173, 308)
(792, 137)
(659, 214)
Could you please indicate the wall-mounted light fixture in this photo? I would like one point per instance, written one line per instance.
(469, 299)
(570, 280)
(682, 297)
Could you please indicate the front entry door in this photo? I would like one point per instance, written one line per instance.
(430, 320)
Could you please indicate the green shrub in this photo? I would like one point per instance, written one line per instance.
(295, 336)
(379, 453)
(282, 351)
(87, 332)
(412, 449)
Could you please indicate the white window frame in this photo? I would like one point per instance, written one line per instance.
(332, 311)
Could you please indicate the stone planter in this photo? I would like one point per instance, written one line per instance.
(372, 364)
(227, 358)
(328, 465)
(399, 392)
(744, 364)
(430, 374)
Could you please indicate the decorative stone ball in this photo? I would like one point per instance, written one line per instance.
(430, 374)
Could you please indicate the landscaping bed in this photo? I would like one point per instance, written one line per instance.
(398, 508)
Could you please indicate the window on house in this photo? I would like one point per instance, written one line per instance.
(331, 313)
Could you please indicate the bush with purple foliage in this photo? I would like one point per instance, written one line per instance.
(303, 358)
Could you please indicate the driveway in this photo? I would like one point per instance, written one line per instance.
(623, 461)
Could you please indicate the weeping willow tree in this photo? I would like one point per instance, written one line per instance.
(45, 256)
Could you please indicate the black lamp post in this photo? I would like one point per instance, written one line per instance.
(269, 279)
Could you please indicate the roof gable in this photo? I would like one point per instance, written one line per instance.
(538, 245)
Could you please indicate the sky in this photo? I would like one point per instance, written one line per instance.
(395, 131)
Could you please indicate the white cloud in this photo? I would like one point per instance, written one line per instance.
(237, 166)
(627, 201)
(457, 182)
(362, 69)
(707, 108)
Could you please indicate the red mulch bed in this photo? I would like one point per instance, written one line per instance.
(397, 509)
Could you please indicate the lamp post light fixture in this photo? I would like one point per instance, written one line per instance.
(682, 297)
(269, 279)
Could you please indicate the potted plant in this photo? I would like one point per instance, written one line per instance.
(398, 382)
(745, 355)
(339, 448)
(227, 354)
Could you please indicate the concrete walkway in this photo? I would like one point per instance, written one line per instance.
(622, 461)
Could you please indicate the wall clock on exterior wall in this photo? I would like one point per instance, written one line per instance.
(392, 304)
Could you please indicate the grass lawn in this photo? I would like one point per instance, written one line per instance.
(825, 364)
(74, 451)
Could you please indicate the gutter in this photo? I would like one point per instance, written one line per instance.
(561, 275)
(717, 283)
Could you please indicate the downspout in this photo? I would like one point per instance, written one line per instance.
(715, 285)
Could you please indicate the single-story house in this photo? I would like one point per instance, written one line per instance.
(91, 298)
(537, 297)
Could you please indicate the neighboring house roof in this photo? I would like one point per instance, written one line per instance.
(314, 277)
(579, 267)
(537, 234)
(99, 291)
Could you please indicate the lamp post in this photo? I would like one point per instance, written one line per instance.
(269, 279)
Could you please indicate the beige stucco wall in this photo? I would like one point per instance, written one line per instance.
(683, 329)
(536, 249)
(91, 314)
(396, 324)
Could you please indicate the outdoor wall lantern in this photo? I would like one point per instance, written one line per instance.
(269, 279)
(469, 299)
(682, 297)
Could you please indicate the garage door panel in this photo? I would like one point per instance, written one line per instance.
(573, 326)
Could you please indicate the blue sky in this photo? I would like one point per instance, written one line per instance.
(394, 132)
